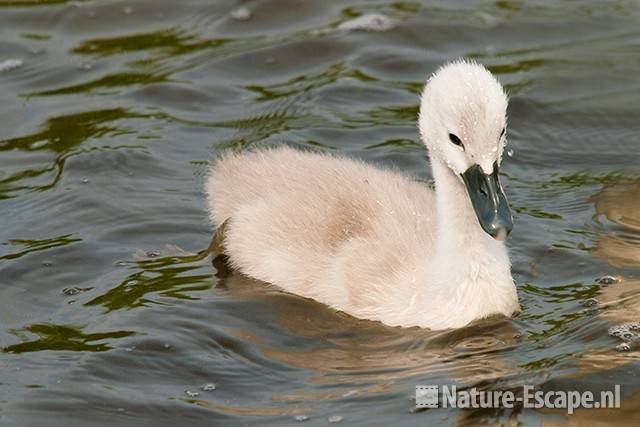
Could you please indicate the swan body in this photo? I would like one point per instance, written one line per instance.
(372, 242)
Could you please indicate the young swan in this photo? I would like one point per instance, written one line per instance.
(372, 242)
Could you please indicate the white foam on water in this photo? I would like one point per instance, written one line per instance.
(10, 64)
(241, 14)
(369, 22)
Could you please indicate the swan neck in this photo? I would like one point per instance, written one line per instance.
(457, 224)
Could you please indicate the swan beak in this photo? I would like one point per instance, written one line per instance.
(489, 201)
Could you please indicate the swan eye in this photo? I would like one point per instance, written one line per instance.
(454, 139)
(502, 133)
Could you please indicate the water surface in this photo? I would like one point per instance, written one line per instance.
(110, 313)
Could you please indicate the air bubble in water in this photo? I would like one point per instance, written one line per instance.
(607, 280)
(191, 393)
(624, 333)
(300, 418)
(623, 347)
(615, 331)
(70, 291)
(633, 326)
(241, 14)
(334, 419)
(208, 387)
(627, 335)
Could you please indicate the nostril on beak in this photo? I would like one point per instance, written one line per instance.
(483, 187)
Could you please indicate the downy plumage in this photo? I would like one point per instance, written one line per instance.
(372, 242)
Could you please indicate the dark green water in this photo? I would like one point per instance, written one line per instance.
(109, 310)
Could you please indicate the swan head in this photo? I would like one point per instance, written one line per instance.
(463, 118)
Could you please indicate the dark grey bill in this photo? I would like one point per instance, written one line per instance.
(489, 201)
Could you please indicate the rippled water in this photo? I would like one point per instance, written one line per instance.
(110, 313)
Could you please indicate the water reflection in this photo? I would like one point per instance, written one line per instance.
(619, 204)
(618, 303)
(299, 84)
(358, 352)
(170, 41)
(105, 85)
(63, 338)
(62, 135)
(164, 274)
(38, 245)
